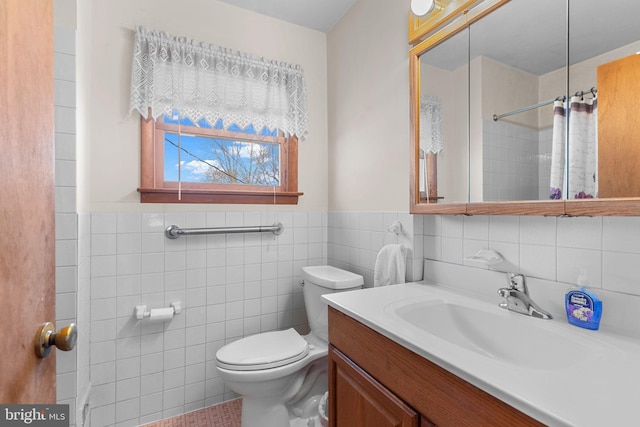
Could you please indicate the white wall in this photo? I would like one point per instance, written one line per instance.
(368, 91)
(64, 14)
(111, 155)
(451, 87)
(504, 88)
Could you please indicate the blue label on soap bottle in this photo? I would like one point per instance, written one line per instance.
(582, 310)
(580, 306)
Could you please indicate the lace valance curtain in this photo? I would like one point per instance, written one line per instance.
(431, 140)
(206, 81)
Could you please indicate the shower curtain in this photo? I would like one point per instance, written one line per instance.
(581, 181)
(557, 151)
(583, 148)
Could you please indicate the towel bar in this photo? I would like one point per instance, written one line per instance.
(173, 231)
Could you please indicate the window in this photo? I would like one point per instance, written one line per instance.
(217, 126)
(186, 162)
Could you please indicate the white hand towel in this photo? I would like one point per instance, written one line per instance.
(390, 266)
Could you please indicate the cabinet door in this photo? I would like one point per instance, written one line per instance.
(358, 400)
(618, 128)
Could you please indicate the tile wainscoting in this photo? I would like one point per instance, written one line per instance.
(236, 285)
(230, 286)
(600, 252)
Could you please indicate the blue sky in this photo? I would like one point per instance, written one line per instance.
(196, 152)
(196, 156)
(191, 144)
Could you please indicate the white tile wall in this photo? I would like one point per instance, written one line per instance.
(601, 252)
(511, 164)
(230, 286)
(236, 285)
(71, 376)
(545, 144)
(355, 238)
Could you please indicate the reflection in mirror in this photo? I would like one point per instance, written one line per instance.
(443, 148)
(525, 62)
(603, 55)
(517, 71)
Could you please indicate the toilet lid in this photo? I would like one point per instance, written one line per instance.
(263, 351)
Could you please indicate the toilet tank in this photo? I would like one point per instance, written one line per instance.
(320, 280)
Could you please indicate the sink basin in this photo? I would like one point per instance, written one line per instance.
(498, 334)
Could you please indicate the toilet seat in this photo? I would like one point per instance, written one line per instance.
(263, 351)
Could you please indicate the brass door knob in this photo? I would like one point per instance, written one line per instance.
(46, 337)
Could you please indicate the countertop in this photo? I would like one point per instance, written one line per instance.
(600, 389)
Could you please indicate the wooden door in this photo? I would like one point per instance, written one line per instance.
(357, 400)
(619, 128)
(27, 208)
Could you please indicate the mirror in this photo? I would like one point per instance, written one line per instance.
(518, 147)
(509, 73)
(603, 54)
(444, 111)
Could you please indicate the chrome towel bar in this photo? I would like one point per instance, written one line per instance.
(173, 231)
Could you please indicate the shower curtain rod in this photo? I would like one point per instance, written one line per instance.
(580, 93)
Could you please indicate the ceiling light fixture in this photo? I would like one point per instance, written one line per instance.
(422, 7)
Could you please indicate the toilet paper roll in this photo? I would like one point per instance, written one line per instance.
(161, 314)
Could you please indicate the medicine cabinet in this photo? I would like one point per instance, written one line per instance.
(525, 107)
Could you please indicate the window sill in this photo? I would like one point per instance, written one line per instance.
(159, 195)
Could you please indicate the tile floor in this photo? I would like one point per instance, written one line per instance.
(226, 414)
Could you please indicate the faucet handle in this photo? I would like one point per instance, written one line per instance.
(517, 281)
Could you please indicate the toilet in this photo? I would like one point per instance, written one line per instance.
(282, 375)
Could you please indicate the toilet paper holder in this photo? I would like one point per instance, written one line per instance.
(165, 313)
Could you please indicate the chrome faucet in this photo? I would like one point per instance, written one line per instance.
(517, 298)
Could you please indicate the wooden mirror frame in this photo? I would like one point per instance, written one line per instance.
(463, 19)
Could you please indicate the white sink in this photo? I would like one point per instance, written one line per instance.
(557, 373)
(498, 334)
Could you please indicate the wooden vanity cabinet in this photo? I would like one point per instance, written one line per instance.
(373, 381)
(364, 402)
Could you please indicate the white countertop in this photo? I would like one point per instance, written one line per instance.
(602, 389)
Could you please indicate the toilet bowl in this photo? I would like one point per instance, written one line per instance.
(282, 375)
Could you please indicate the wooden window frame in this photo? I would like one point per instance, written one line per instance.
(153, 188)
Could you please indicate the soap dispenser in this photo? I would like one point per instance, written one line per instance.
(584, 308)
